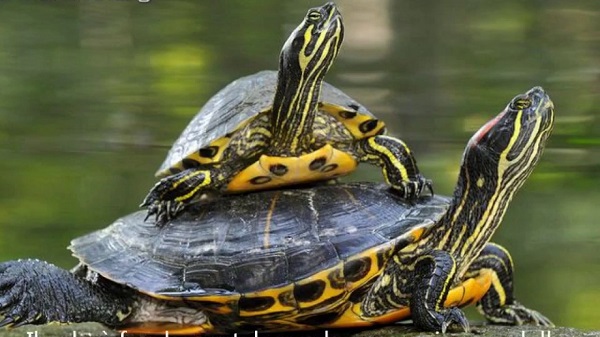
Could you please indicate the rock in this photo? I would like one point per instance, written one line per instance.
(97, 330)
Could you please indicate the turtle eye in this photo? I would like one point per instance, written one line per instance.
(520, 103)
(314, 16)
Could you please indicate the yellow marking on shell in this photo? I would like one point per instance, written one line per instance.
(328, 292)
(469, 291)
(210, 298)
(480, 182)
(298, 170)
(277, 307)
(417, 233)
(391, 157)
(268, 220)
(222, 143)
(373, 270)
(353, 124)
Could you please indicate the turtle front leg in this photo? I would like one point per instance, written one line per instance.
(422, 284)
(434, 275)
(170, 195)
(36, 292)
(399, 166)
(498, 305)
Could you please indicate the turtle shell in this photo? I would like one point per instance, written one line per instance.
(259, 241)
(238, 103)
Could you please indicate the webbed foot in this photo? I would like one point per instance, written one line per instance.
(515, 314)
(36, 292)
(25, 293)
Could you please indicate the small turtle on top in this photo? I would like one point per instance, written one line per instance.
(282, 128)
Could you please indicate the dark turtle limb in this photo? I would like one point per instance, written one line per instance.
(170, 195)
(430, 278)
(36, 292)
(434, 274)
(399, 166)
(498, 305)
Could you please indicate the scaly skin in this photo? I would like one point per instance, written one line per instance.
(36, 292)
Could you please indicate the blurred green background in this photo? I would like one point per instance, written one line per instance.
(93, 92)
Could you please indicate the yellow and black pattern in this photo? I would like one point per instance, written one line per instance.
(270, 130)
(299, 259)
(306, 57)
(397, 162)
(497, 161)
(499, 305)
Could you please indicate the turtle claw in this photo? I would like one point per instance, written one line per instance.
(161, 202)
(6, 321)
(164, 211)
(454, 316)
(413, 189)
(158, 203)
(517, 314)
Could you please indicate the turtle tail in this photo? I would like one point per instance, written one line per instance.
(36, 292)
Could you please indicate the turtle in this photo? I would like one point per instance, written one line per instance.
(273, 129)
(325, 256)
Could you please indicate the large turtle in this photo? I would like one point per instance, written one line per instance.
(322, 257)
(273, 129)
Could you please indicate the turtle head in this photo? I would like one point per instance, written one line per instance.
(496, 163)
(314, 44)
(513, 141)
(304, 60)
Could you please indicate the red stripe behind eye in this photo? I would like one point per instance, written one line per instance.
(485, 129)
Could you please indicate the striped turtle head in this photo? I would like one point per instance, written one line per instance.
(304, 60)
(497, 161)
(513, 141)
(314, 44)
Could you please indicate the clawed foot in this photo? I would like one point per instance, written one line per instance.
(516, 314)
(412, 189)
(170, 195)
(158, 206)
(163, 211)
(21, 296)
(452, 318)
